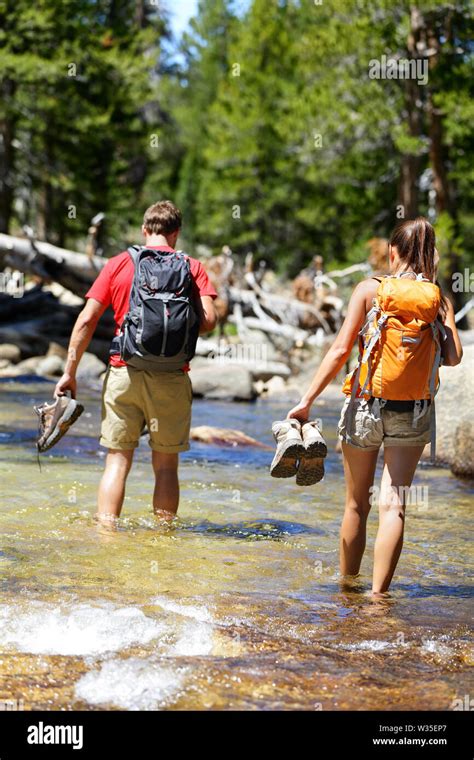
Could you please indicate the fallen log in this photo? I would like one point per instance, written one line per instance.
(74, 271)
(269, 326)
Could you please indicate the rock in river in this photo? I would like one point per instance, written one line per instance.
(216, 381)
(224, 436)
(455, 416)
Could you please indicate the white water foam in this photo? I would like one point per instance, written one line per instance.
(80, 629)
(197, 612)
(196, 638)
(433, 646)
(132, 684)
(372, 645)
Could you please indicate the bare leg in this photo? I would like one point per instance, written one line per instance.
(399, 468)
(166, 493)
(359, 471)
(112, 485)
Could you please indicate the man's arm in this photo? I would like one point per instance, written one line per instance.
(207, 314)
(80, 338)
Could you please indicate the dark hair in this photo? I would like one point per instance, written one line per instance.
(415, 241)
(162, 218)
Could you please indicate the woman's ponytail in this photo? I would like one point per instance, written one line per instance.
(415, 241)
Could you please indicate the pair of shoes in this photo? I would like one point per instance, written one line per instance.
(55, 419)
(301, 450)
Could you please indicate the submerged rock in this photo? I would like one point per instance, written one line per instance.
(223, 437)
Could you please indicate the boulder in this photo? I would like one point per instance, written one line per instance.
(56, 349)
(463, 461)
(275, 386)
(216, 381)
(29, 366)
(262, 347)
(10, 352)
(51, 365)
(90, 366)
(455, 416)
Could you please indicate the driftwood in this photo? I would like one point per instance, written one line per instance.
(74, 271)
(245, 298)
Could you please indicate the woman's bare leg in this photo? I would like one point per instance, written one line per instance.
(400, 463)
(359, 470)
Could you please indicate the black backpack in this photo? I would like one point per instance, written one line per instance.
(161, 328)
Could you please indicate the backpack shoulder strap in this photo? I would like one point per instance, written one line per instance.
(185, 256)
(134, 252)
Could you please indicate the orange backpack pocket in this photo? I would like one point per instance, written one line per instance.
(398, 346)
(403, 363)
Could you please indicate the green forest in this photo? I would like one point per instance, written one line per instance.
(264, 123)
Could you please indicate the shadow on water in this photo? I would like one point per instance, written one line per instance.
(416, 590)
(247, 530)
(256, 530)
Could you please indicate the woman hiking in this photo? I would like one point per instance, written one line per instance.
(405, 328)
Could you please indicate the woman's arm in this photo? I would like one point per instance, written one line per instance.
(451, 348)
(340, 350)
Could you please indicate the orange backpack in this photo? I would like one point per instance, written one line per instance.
(400, 346)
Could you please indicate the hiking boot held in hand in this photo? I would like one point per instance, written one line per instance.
(311, 467)
(290, 448)
(55, 419)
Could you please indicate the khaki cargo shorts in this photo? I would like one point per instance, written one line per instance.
(369, 426)
(131, 397)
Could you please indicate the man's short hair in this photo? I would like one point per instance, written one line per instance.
(162, 218)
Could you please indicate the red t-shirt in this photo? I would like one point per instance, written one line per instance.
(112, 287)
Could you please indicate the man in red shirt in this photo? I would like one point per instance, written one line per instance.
(132, 397)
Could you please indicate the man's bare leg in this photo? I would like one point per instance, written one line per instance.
(112, 485)
(166, 493)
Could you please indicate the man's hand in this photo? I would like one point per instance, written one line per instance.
(66, 383)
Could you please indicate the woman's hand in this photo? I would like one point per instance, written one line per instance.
(300, 411)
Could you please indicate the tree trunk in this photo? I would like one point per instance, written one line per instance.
(7, 132)
(74, 271)
(439, 160)
(410, 167)
(44, 221)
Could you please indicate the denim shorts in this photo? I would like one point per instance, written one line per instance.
(369, 426)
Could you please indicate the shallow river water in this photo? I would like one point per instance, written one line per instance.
(237, 605)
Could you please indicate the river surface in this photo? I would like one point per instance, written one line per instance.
(238, 604)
